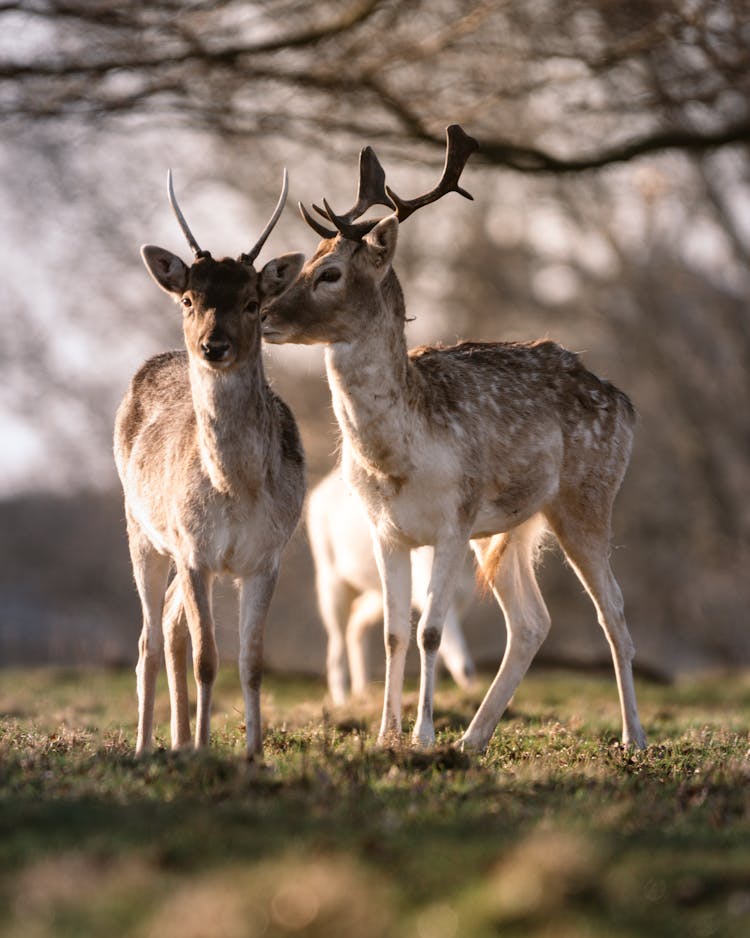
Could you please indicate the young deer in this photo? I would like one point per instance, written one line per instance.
(213, 474)
(350, 597)
(490, 442)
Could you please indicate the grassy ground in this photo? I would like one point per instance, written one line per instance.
(555, 831)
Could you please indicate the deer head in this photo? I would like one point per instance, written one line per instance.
(334, 296)
(221, 299)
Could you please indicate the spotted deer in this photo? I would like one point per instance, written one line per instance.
(349, 592)
(213, 476)
(495, 443)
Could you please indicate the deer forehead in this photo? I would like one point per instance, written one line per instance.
(223, 284)
(332, 251)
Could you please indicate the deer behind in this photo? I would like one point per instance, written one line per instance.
(493, 443)
(212, 471)
(350, 595)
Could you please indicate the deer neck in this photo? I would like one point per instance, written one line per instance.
(233, 425)
(370, 379)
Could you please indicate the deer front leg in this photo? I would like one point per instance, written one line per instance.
(255, 597)
(394, 564)
(454, 650)
(334, 603)
(448, 559)
(150, 570)
(367, 610)
(176, 642)
(197, 587)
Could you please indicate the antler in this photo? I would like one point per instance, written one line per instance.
(255, 251)
(374, 191)
(459, 147)
(181, 219)
(245, 258)
(371, 191)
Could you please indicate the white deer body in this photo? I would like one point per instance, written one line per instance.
(489, 442)
(213, 476)
(349, 589)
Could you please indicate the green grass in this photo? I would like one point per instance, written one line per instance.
(555, 831)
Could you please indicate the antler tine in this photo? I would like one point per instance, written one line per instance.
(459, 147)
(372, 188)
(315, 224)
(255, 251)
(181, 219)
(371, 191)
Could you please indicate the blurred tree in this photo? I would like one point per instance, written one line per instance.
(547, 85)
(643, 264)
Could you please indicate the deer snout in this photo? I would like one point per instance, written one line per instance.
(215, 350)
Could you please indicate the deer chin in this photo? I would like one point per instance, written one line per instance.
(221, 364)
(279, 336)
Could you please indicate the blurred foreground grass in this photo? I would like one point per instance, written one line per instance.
(555, 831)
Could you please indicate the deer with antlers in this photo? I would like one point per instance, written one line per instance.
(213, 475)
(491, 443)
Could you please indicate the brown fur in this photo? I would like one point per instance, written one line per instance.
(212, 470)
(443, 445)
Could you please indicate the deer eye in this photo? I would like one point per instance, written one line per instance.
(329, 275)
(251, 307)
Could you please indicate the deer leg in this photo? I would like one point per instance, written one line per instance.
(587, 551)
(150, 570)
(453, 651)
(334, 604)
(394, 564)
(255, 597)
(367, 610)
(446, 564)
(527, 623)
(176, 641)
(197, 588)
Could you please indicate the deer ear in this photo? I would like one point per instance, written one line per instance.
(278, 274)
(166, 268)
(380, 243)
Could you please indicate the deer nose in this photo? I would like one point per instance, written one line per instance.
(214, 350)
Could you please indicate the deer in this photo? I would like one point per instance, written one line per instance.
(493, 444)
(349, 593)
(213, 477)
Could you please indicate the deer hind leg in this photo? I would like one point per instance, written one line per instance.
(255, 597)
(197, 587)
(175, 630)
(527, 623)
(585, 540)
(150, 570)
(395, 573)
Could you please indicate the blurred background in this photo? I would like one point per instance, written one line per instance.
(611, 213)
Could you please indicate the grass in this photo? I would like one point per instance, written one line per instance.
(554, 831)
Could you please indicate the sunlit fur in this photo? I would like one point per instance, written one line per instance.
(213, 474)
(443, 445)
(349, 592)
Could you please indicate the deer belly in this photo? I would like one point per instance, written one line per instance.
(510, 502)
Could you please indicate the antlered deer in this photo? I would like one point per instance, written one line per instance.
(213, 474)
(350, 597)
(491, 442)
